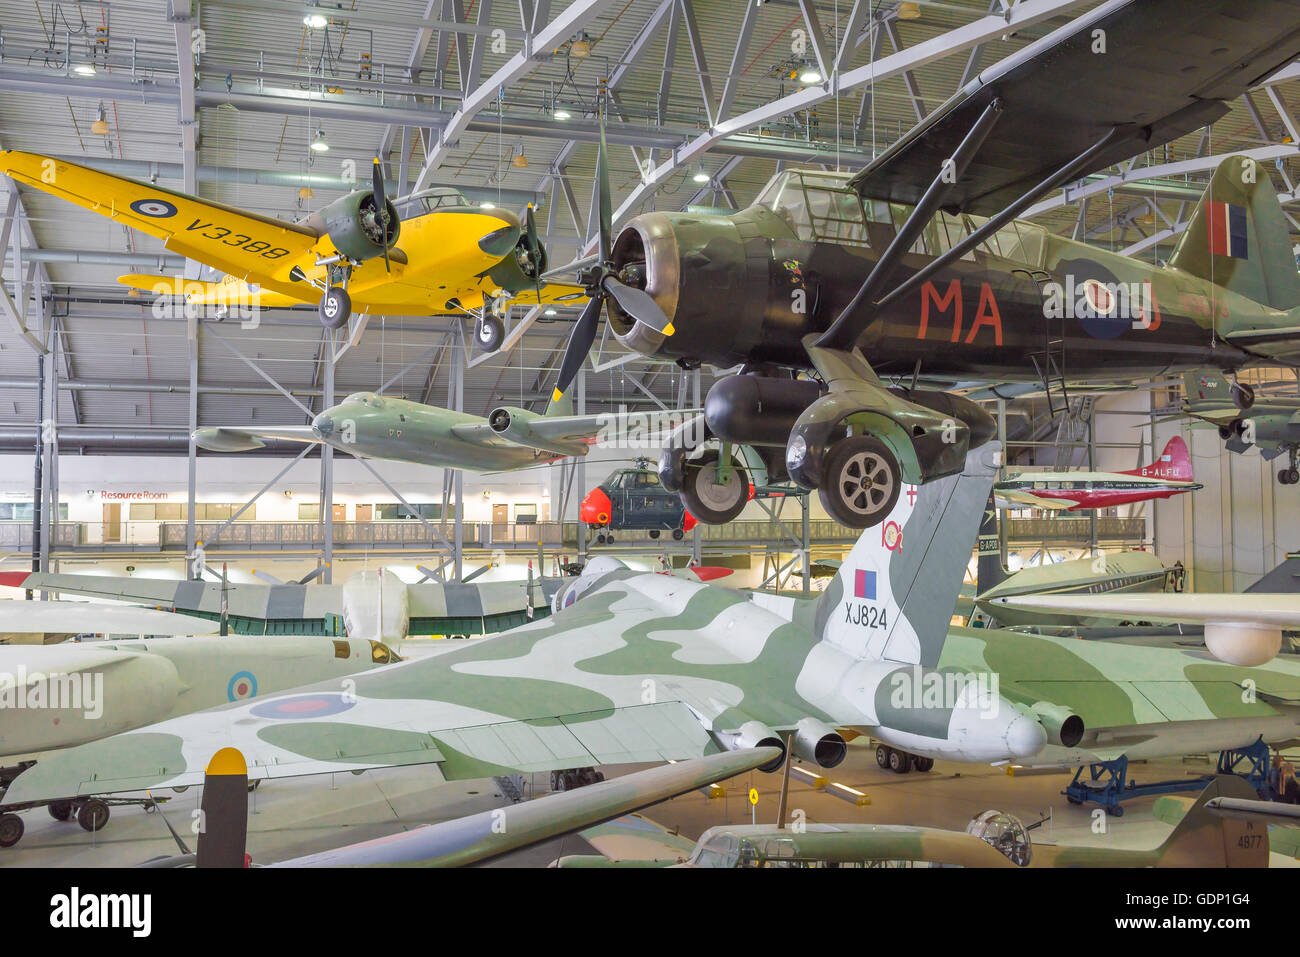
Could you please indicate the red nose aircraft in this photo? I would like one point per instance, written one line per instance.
(632, 498)
(1170, 474)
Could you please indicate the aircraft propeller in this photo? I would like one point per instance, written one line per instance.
(602, 283)
(381, 207)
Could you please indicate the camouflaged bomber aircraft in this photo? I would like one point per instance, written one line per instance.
(640, 667)
(915, 268)
(1271, 423)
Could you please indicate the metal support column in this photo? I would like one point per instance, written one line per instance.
(193, 566)
(327, 459)
(580, 464)
(457, 386)
(805, 532)
(697, 532)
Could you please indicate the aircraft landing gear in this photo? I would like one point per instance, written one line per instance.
(335, 307)
(654, 533)
(11, 829)
(488, 333)
(900, 762)
(711, 496)
(575, 778)
(678, 534)
(862, 481)
(1290, 476)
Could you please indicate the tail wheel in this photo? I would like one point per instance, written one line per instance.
(488, 333)
(93, 815)
(706, 496)
(861, 483)
(335, 307)
(11, 830)
(900, 762)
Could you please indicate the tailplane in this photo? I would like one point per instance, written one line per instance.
(1238, 237)
(1174, 463)
(894, 595)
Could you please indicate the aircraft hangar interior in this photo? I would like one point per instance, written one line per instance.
(716, 433)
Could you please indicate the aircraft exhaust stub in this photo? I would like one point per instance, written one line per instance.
(1062, 725)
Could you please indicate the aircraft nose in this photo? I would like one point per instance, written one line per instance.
(596, 508)
(501, 240)
(323, 425)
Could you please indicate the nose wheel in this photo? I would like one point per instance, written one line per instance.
(862, 482)
(1290, 476)
(335, 307)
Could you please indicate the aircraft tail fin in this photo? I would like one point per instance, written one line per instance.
(1173, 463)
(560, 405)
(894, 595)
(1238, 237)
(1203, 385)
(989, 570)
(1204, 839)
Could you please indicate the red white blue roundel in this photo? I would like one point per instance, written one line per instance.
(242, 685)
(301, 706)
(157, 208)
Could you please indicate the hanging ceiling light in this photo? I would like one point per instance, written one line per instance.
(306, 193)
(487, 204)
(700, 175)
(315, 21)
(558, 112)
(809, 74)
(519, 160)
(318, 144)
(100, 125)
(84, 69)
(580, 46)
(909, 10)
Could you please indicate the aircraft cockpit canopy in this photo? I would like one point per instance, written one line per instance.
(818, 206)
(632, 479)
(430, 200)
(365, 398)
(1005, 833)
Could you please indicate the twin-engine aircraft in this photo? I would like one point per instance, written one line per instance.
(915, 269)
(428, 253)
(1167, 476)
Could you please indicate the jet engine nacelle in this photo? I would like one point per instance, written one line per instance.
(355, 228)
(1242, 644)
(754, 734)
(819, 742)
(1063, 726)
(516, 425)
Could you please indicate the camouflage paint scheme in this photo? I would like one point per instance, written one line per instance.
(642, 667)
(1275, 419)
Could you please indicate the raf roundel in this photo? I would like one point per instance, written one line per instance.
(302, 706)
(242, 685)
(156, 208)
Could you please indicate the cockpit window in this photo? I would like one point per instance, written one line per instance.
(1005, 833)
(381, 654)
(818, 207)
(429, 200)
(366, 398)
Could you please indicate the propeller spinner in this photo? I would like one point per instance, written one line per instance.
(601, 282)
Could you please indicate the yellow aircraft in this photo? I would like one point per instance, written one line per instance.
(427, 253)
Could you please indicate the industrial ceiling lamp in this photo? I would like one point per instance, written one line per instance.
(315, 21)
(100, 126)
(700, 175)
(558, 112)
(318, 144)
(580, 46)
(909, 10)
(306, 193)
(519, 160)
(809, 74)
(84, 69)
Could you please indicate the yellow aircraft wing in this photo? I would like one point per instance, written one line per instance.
(248, 246)
(552, 292)
(226, 292)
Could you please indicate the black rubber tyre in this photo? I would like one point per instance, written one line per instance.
(900, 762)
(1225, 432)
(654, 533)
(678, 534)
(1118, 810)
(882, 755)
(488, 333)
(93, 815)
(11, 830)
(707, 499)
(922, 764)
(335, 307)
(1072, 799)
(1243, 396)
(60, 810)
(861, 483)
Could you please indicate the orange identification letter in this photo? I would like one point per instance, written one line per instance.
(950, 299)
(986, 315)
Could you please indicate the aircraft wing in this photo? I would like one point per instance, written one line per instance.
(1282, 611)
(77, 617)
(222, 439)
(629, 426)
(552, 292)
(527, 700)
(242, 244)
(480, 837)
(635, 838)
(1060, 95)
(227, 292)
(1261, 812)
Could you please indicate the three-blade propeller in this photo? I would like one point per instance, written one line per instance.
(381, 206)
(602, 283)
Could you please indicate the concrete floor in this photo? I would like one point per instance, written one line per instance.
(299, 816)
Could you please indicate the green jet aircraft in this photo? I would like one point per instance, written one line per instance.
(1270, 423)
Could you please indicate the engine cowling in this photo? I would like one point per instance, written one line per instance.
(1063, 726)
(516, 425)
(820, 743)
(755, 734)
(355, 228)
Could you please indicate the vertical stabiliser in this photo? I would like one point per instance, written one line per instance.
(1173, 463)
(989, 570)
(1204, 839)
(904, 575)
(1238, 237)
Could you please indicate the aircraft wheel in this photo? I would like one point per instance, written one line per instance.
(1225, 432)
(678, 534)
(882, 755)
(708, 499)
(609, 538)
(600, 538)
(922, 764)
(93, 815)
(488, 333)
(11, 830)
(181, 789)
(1072, 799)
(60, 810)
(900, 762)
(862, 482)
(1117, 811)
(654, 533)
(1243, 396)
(335, 307)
